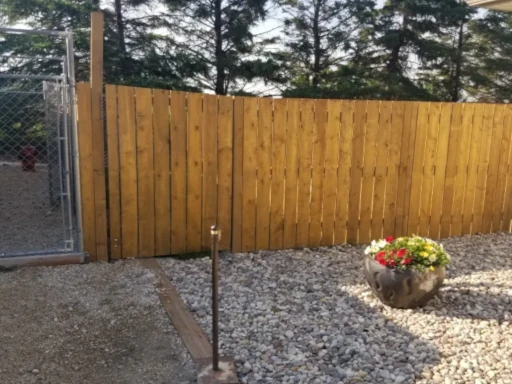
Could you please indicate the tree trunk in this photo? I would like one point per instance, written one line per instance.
(120, 27)
(220, 62)
(316, 45)
(393, 65)
(455, 94)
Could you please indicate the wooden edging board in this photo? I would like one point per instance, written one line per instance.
(43, 260)
(192, 335)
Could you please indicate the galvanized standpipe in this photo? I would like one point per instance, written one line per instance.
(215, 296)
(70, 57)
(210, 370)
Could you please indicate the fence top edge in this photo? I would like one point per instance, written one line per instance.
(234, 97)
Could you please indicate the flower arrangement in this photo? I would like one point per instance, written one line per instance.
(403, 253)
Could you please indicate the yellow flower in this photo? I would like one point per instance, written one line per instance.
(428, 247)
(423, 254)
(432, 268)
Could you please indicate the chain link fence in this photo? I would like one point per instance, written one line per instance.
(37, 207)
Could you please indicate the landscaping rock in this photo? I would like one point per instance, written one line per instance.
(341, 331)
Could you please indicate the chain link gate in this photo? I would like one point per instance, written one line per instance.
(39, 212)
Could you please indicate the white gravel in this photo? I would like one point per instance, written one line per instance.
(308, 316)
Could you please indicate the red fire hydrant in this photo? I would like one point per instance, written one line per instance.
(27, 155)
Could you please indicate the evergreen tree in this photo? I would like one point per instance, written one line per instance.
(409, 35)
(133, 51)
(217, 34)
(321, 35)
(408, 49)
(489, 61)
(447, 75)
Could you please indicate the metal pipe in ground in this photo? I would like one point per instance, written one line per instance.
(215, 296)
(218, 369)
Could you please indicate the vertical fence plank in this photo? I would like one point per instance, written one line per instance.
(86, 168)
(210, 168)
(278, 174)
(114, 196)
(410, 164)
(483, 165)
(417, 172)
(369, 163)
(318, 167)
(225, 199)
(128, 171)
(381, 165)
(462, 167)
(472, 169)
(332, 136)
(305, 162)
(404, 170)
(345, 172)
(492, 173)
(162, 138)
(145, 169)
(180, 223)
(429, 162)
(451, 169)
(194, 186)
(395, 146)
(410, 114)
(440, 169)
(505, 150)
(100, 198)
(250, 175)
(507, 204)
(264, 173)
(356, 170)
(292, 164)
(238, 158)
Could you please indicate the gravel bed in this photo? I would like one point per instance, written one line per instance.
(308, 316)
(87, 324)
(27, 221)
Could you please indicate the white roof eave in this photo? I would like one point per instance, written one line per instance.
(498, 5)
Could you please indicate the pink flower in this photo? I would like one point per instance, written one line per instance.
(389, 239)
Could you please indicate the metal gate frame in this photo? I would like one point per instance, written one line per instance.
(68, 84)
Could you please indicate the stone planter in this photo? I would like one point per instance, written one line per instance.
(402, 289)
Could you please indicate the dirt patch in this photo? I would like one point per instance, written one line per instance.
(94, 324)
(28, 221)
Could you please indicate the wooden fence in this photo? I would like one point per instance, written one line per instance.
(285, 173)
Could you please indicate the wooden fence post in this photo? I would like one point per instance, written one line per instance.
(98, 145)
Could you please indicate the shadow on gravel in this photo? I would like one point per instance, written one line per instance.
(474, 301)
(375, 345)
(478, 254)
(286, 317)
